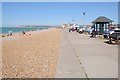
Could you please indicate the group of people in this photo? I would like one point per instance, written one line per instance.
(10, 33)
(24, 33)
(92, 32)
(71, 29)
(77, 29)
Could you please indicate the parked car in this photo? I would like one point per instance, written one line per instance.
(80, 30)
(107, 33)
(71, 29)
(115, 35)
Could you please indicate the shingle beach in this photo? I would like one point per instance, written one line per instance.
(31, 56)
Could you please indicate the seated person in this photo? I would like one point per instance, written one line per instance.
(10, 33)
(23, 32)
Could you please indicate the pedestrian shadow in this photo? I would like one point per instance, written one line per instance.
(92, 36)
(111, 43)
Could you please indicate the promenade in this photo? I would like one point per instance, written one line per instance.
(84, 57)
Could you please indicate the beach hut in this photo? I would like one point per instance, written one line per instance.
(101, 24)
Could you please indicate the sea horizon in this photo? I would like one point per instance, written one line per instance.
(4, 30)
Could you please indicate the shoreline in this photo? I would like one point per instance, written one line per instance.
(18, 29)
(20, 33)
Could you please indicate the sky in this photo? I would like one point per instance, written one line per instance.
(60, 0)
(56, 13)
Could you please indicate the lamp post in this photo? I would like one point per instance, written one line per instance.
(73, 23)
(84, 19)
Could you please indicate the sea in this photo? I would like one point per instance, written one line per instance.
(4, 30)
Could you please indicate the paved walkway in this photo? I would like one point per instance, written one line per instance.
(84, 57)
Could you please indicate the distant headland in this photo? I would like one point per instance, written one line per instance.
(35, 26)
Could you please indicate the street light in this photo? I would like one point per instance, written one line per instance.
(73, 21)
(84, 19)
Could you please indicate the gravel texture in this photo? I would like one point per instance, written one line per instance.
(31, 56)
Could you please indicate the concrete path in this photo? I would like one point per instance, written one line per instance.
(84, 57)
